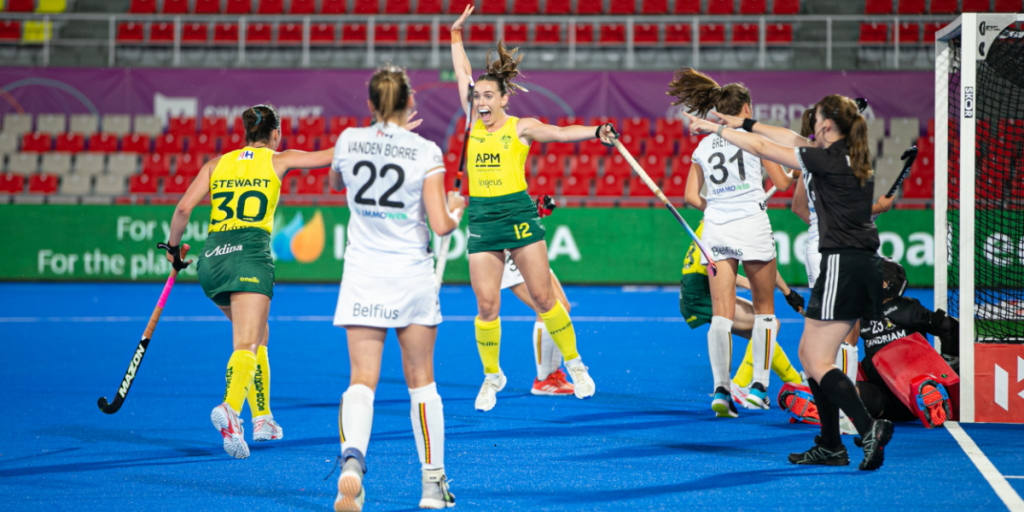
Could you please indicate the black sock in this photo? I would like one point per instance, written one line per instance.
(828, 414)
(843, 393)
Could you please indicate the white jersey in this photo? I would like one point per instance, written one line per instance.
(383, 167)
(733, 178)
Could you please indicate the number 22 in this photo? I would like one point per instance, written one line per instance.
(522, 230)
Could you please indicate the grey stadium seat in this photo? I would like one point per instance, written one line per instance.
(908, 128)
(122, 164)
(75, 185)
(90, 164)
(56, 163)
(150, 125)
(86, 124)
(110, 185)
(8, 143)
(17, 124)
(23, 163)
(51, 123)
(119, 124)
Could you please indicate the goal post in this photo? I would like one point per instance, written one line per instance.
(979, 207)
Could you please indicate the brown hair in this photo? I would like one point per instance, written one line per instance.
(259, 121)
(851, 124)
(699, 93)
(807, 122)
(389, 91)
(504, 69)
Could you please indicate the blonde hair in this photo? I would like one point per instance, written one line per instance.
(389, 91)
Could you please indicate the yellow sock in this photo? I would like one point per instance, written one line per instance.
(560, 327)
(241, 368)
(259, 392)
(745, 373)
(783, 368)
(488, 343)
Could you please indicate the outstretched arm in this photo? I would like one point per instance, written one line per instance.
(295, 159)
(463, 70)
(749, 142)
(783, 136)
(535, 131)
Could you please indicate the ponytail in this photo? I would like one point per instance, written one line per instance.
(700, 93)
(259, 121)
(504, 69)
(846, 115)
(389, 92)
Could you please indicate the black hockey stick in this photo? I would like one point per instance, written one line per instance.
(442, 255)
(909, 155)
(140, 350)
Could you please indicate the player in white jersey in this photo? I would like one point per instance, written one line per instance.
(736, 228)
(394, 178)
(550, 380)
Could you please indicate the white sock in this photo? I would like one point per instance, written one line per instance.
(554, 356)
(763, 338)
(356, 418)
(545, 352)
(427, 416)
(846, 360)
(720, 350)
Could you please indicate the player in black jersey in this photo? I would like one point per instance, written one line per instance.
(837, 170)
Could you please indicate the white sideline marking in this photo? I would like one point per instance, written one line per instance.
(324, 318)
(998, 482)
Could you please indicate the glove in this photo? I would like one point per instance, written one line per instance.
(795, 300)
(615, 134)
(545, 205)
(174, 250)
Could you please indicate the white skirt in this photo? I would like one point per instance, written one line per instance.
(386, 302)
(746, 239)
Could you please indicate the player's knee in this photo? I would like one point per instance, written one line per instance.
(544, 301)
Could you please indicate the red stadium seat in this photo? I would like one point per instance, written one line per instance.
(617, 166)
(301, 142)
(491, 7)
(161, 33)
(181, 125)
(661, 145)
(342, 123)
(613, 34)
(11, 183)
(225, 33)
(156, 164)
(103, 142)
(678, 33)
(909, 32)
(687, 7)
(584, 166)
(542, 185)
(561, 148)
(203, 143)
(70, 143)
(549, 33)
(516, 33)
(688, 144)
(365, 6)
(929, 31)
(654, 165)
(910, 6)
(584, 33)
(418, 33)
(291, 33)
(175, 7)
(721, 7)
(596, 120)
(557, 7)
(428, 7)
(550, 165)
(782, 7)
(456, 142)
(10, 30)
(481, 33)
(320, 33)
(397, 7)
(712, 34)
(878, 7)
(457, 6)
(214, 126)
(235, 140)
(329, 140)
(636, 126)
(753, 6)
(637, 187)
(610, 185)
(593, 147)
(289, 181)
(577, 185)
(207, 7)
(332, 6)
(130, 32)
(177, 184)
(353, 33)
(745, 33)
(526, 7)
(238, 7)
(674, 185)
(569, 121)
(631, 143)
(142, 7)
(621, 7)
(270, 7)
(1008, 6)
(310, 184)
(385, 33)
(257, 33)
(670, 127)
(646, 33)
(588, 7)
(944, 7)
(142, 184)
(189, 164)
(170, 143)
(873, 33)
(195, 33)
(36, 142)
(655, 6)
(301, 6)
(43, 183)
(778, 33)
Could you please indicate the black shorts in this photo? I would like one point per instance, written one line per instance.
(849, 286)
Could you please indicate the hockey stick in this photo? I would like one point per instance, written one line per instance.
(712, 268)
(909, 155)
(442, 255)
(140, 350)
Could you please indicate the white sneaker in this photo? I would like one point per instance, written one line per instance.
(739, 396)
(435, 490)
(227, 422)
(264, 428)
(846, 426)
(488, 395)
(583, 384)
(351, 493)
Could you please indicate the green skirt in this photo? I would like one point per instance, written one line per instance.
(503, 222)
(236, 261)
(695, 300)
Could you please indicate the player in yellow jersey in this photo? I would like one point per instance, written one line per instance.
(502, 216)
(235, 267)
(695, 306)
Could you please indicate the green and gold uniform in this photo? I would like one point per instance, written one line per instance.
(501, 213)
(244, 190)
(694, 289)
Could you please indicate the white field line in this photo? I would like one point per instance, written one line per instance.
(324, 318)
(998, 482)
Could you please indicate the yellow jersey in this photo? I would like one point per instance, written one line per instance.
(244, 190)
(691, 263)
(496, 162)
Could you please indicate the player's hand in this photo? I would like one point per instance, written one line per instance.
(462, 19)
(411, 123)
(174, 254)
(884, 203)
(701, 126)
(795, 301)
(607, 134)
(456, 201)
(545, 205)
(728, 121)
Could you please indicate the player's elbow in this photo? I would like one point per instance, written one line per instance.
(443, 226)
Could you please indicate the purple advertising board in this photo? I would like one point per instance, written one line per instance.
(322, 92)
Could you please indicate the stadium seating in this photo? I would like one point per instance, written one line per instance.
(878, 7)
(11, 183)
(610, 185)
(70, 143)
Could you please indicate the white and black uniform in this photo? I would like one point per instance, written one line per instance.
(389, 272)
(812, 258)
(736, 223)
(510, 276)
(850, 284)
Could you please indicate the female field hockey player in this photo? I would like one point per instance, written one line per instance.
(502, 216)
(837, 172)
(736, 228)
(394, 177)
(235, 269)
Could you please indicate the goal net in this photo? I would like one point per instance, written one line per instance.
(979, 206)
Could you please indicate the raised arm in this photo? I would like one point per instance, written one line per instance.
(533, 130)
(463, 70)
(695, 182)
(749, 142)
(295, 159)
(783, 136)
(443, 216)
(800, 205)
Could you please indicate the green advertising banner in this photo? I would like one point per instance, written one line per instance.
(585, 245)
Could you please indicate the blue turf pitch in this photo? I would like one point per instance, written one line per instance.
(647, 440)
